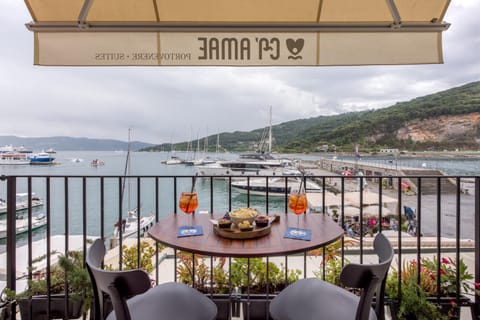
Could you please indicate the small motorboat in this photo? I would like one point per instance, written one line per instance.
(97, 163)
(129, 226)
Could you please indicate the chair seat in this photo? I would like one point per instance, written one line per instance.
(295, 302)
(170, 301)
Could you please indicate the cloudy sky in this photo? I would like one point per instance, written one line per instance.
(180, 103)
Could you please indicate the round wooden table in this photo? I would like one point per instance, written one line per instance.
(323, 232)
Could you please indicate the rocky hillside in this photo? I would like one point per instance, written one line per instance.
(452, 128)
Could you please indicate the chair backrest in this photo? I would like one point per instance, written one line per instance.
(119, 285)
(370, 278)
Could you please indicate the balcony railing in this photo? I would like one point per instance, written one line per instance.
(78, 208)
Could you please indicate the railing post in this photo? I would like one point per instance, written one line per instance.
(11, 231)
(477, 244)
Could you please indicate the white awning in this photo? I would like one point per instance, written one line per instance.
(237, 33)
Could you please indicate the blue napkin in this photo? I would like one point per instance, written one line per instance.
(298, 234)
(189, 231)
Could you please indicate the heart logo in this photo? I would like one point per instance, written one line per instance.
(295, 46)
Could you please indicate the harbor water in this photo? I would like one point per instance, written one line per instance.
(76, 165)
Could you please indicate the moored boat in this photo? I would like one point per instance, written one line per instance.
(11, 148)
(260, 163)
(21, 202)
(22, 225)
(276, 186)
(173, 160)
(248, 164)
(97, 163)
(41, 158)
(131, 225)
(13, 158)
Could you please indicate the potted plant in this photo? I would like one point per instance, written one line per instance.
(130, 257)
(254, 282)
(413, 304)
(426, 292)
(252, 279)
(332, 261)
(196, 268)
(70, 290)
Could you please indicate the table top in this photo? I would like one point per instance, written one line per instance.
(324, 231)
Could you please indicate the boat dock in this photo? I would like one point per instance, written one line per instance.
(371, 171)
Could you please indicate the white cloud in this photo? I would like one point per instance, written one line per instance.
(164, 104)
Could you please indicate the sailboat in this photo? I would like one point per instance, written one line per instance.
(198, 160)
(129, 226)
(261, 162)
(173, 158)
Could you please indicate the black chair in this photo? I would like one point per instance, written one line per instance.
(133, 298)
(311, 298)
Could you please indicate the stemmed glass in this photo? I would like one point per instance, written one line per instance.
(297, 203)
(188, 203)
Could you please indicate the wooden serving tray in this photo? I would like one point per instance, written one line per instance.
(235, 233)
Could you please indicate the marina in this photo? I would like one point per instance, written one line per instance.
(148, 164)
(154, 185)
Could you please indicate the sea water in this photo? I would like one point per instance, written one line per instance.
(73, 171)
(71, 167)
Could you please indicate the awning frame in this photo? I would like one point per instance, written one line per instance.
(82, 25)
(233, 27)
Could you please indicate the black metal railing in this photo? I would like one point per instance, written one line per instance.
(90, 206)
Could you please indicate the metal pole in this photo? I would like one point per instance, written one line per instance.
(11, 231)
(477, 244)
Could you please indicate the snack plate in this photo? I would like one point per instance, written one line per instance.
(235, 233)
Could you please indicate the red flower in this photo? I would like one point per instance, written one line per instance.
(445, 260)
(477, 285)
(453, 303)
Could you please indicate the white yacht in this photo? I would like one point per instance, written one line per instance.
(260, 164)
(276, 186)
(22, 225)
(13, 158)
(21, 202)
(173, 160)
(130, 225)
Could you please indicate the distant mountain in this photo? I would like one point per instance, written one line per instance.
(445, 120)
(70, 143)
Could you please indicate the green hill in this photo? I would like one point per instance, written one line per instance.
(374, 129)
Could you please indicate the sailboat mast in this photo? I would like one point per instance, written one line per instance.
(126, 171)
(128, 167)
(270, 132)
